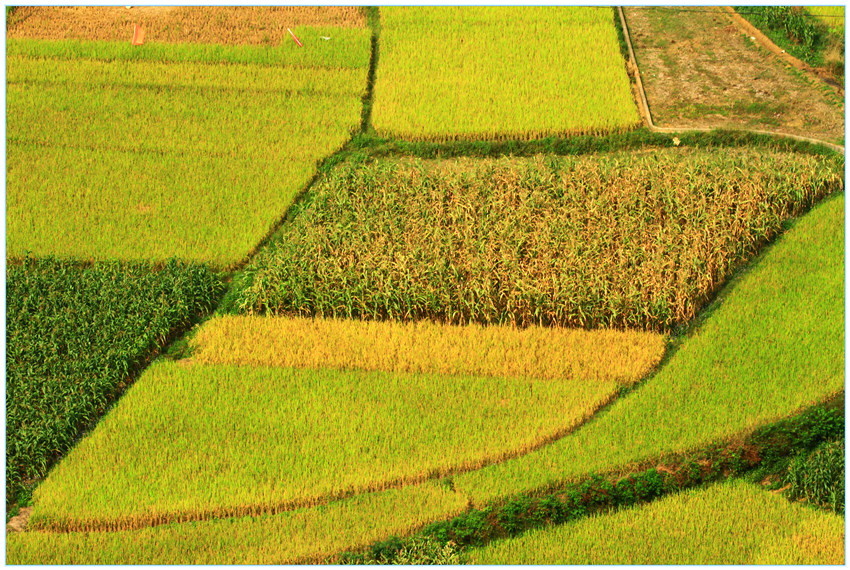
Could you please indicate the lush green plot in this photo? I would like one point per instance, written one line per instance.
(74, 334)
(431, 348)
(131, 159)
(200, 441)
(774, 344)
(348, 48)
(626, 240)
(288, 538)
(500, 72)
(731, 523)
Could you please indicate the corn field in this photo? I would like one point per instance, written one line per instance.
(639, 241)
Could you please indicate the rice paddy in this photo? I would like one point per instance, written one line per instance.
(732, 523)
(500, 72)
(623, 357)
(190, 442)
(170, 155)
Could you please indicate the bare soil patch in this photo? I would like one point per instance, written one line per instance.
(700, 70)
(257, 25)
(18, 523)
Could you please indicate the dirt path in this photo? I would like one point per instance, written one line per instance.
(18, 523)
(701, 72)
(258, 25)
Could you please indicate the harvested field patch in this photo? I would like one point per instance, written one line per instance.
(500, 72)
(699, 70)
(620, 240)
(74, 335)
(307, 535)
(192, 443)
(232, 25)
(729, 523)
(429, 348)
(774, 344)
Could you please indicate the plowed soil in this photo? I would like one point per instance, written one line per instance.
(258, 25)
(700, 70)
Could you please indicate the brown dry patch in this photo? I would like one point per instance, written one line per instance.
(700, 70)
(825, 551)
(236, 25)
(18, 523)
(143, 208)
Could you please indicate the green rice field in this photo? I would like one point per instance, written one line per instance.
(732, 523)
(500, 72)
(163, 153)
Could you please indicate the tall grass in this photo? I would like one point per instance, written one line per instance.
(190, 442)
(500, 72)
(818, 477)
(730, 523)
(430, 348)
(74, 335)
(307, 535)
(145, 160)
(625, 240)
(773, 344)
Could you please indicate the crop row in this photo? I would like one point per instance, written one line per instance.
(618, 240)
(729, 523)
(429, 348)
(74, 335)
(496, 72)
(347, 48)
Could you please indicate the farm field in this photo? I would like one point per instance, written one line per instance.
(568, 241)
(200, 167)
(500, 72)
(389, 285)
(731, 523)
(770, 347)
(197, 442)
(74, 335)
(431, 348)
(699, 70)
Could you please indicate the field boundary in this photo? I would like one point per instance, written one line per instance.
(643, 104)
(754, 453)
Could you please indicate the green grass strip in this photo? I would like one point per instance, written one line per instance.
(295, 537)
(196, 442)
(728, 523)
(348, 47)
(773, 344)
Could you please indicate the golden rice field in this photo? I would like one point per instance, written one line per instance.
(233, 25)
(424, 347)
(301, 536)
(191, 441)
(500, 72)
(729, 523)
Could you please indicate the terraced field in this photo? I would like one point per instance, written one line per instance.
(246, 329)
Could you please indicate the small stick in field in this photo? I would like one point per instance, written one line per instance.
(138, 35)
(294, 38)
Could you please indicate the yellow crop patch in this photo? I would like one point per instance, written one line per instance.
(427, 347)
